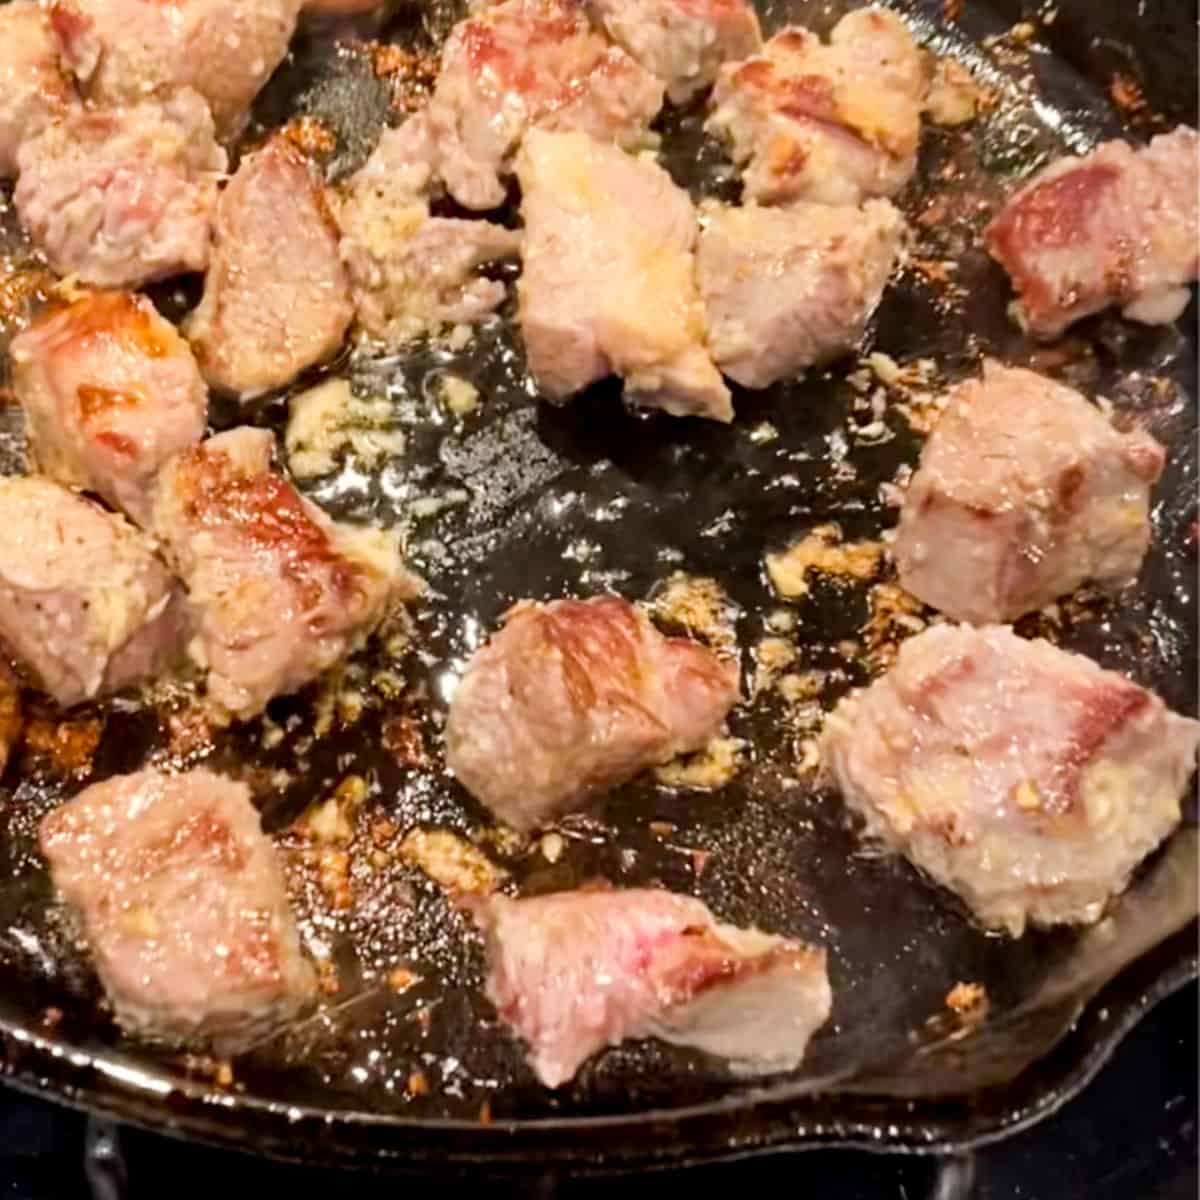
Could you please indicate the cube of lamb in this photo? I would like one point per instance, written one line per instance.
(609, 285)
(413, 273)
(683, 42)
(182, 903)
(1024, 492)
(786, 289)
(85, 607)
(526, 63)
(120, 197)
(833, 124)
(110, 392)
(279, 591)
(34, 91)
(276, 297)
(1024, 778)
(574, 972)
(1119, 226)
(574, 697)
(126, 50)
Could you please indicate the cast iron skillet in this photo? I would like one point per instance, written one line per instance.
(537, 501)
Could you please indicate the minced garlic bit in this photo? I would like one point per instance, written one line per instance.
(822, 550)
(700, 605)
(459, 395)
(798, 687)
(712, 767)
(771, 656)
(451, 861)
(781, 620)
(329, 420)
(885, 368)
(808, 755)
(332, 821)
(954, 97)
(775, 653)
(967, 999)
(425, 507)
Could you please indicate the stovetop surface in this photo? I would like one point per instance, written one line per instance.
(1131, 1135)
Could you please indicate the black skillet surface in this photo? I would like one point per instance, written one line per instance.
(536, 501)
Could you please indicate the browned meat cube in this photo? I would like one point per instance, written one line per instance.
(182, 903)
(34, 91)
(575, 972)
(833, 124)
(683, 42)
(785, 289)
(525, 63)
(279, 591)
(267, 313)
(125, 50)
(1024, 778)
(1120, 226)
(413, 273)
(110, 392)
(85, 607)
(1024, 492)
(120, 197)
(608, 286)
(574, 697)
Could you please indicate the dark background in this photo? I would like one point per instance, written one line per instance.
(1131, 1135)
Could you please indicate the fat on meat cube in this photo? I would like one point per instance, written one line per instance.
(412, 273)
(110, 392)
(574, 972)
(1023, 778)
(574, 697)
(834, 123)
(34, 90)
(277, 297)
(683, 42)
(119, 197)
(85, 606)
(527, 63)
(182, 903)
(279, 592)
(609, 277)
(1024, 491)
(123, 51)
(1119, 226)
(788, 288)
